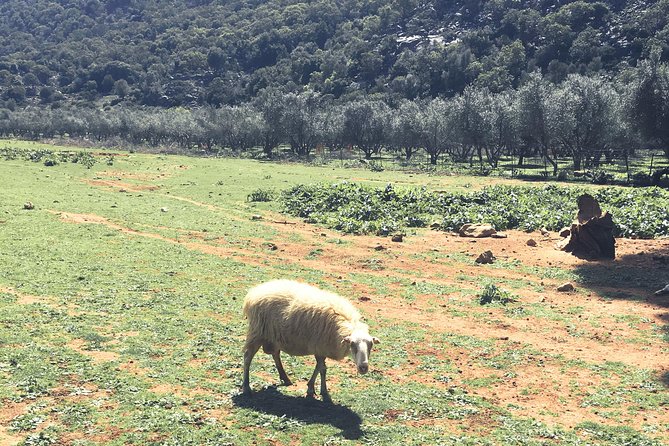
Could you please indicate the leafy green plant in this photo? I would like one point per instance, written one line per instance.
(51, 161)
(355, 208)
(601, 177)
(641, 179)
(492, 293)
(260, 195)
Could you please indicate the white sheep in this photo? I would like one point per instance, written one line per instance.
(300, 319)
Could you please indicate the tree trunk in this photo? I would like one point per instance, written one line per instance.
(267, 150)
(553, 163)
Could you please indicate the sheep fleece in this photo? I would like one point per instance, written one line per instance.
(300, 319)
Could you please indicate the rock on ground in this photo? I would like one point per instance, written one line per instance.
(485, 258)
(566, 287)
(476, 230)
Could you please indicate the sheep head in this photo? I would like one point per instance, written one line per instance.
(360, 344)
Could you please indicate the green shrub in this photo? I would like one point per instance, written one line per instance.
(83, 158)
(51, 161)
(641, 179)
(354, 208)
(260, 195)
(492, 293)
(601, 177)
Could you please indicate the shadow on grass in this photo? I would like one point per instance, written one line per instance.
(633, 277)
(664, 378)
(306, 410)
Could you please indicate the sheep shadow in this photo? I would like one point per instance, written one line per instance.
(307, 410)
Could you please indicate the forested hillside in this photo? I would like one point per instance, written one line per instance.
(197, 52)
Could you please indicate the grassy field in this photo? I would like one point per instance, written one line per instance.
(120, 318)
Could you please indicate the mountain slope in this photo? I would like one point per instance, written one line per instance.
(186, 52)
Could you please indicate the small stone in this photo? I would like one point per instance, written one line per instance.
(364, 299)
(545, 232)
(163, 209)
(256, 217)
(397, 238)
(566, 287)
(531, 242)
(28, 205)
(379, 248)
(485, 258)
(435, 225)
(564, 232)
(122, 190)
(270, 246)
(499, 235)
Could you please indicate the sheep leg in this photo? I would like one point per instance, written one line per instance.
(279, 366)
(249, 352)
(311, 391)
(325, 395)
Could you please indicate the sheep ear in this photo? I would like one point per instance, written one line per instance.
(346, 339)
(376, 340)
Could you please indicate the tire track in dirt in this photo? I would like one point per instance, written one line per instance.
(228, 252)
(131, 187)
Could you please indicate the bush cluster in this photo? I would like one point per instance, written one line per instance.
(359, 209)
(49, 157)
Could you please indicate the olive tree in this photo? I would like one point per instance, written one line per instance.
(270, 104)
(436, 121)
(534, 132)
(406, 129)
(503, 138)
(302, 121)
(581, 116)
(650, 101)
(472, 123)
(366, 124)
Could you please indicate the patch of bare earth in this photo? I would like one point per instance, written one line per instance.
(120, 185)
(138, 176)
(97, 356)
(7, 414)
(23, 298)
(73, 392)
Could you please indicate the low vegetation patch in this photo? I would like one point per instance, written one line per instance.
(48, 157)
(260, 195)
(360, 209)
(492, 293)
